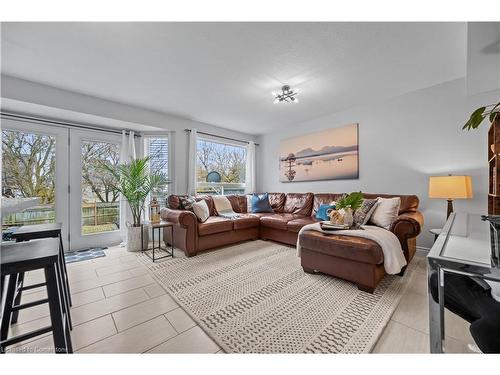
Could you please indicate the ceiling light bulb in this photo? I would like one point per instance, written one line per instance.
(295, 100)
(276, 101)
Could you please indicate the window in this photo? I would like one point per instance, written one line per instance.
(100, 201)
(29, 165)
(220, 167)
(156, 147)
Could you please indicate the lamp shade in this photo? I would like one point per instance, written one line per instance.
(450, 187)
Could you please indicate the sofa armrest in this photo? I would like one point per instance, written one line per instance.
(181, 217)
(185, 229)
(406, 228)
(409, 223)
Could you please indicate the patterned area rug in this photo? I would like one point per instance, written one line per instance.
(255, 298)
(86, 254)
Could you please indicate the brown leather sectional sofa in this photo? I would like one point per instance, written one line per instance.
(291, 212)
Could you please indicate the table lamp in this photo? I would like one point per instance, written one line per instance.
(449, 188)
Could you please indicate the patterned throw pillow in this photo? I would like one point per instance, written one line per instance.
(186, 203)
(363, 214)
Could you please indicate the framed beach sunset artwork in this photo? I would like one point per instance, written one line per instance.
(326, 155)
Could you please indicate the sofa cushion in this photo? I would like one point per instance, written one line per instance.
(215, 224)
(323, 198)
(299, 203)
(353, 248)
(277, 201)
(246, 221)
(238, 202)
(409, 203)
(262, 214)
(297, 224)
(276, 221)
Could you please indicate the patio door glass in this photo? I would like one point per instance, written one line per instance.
(95, 204)
(34, 173)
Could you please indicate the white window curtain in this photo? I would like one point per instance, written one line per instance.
(191, 179)
(250, 169)
(127, 154)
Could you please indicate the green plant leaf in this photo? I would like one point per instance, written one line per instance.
(353, 201)
(478, 116)
(475, 119)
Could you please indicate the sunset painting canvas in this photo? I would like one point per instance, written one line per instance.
(327, 155)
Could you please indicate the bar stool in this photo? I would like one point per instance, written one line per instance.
(22, 257)
(32, 232)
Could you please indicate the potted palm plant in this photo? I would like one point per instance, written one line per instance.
(135, 182)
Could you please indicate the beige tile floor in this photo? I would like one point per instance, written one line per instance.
(119, 308)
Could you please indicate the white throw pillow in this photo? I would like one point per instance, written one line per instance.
(222, 204)
(249, 203)
(201, 210)
(386, 212)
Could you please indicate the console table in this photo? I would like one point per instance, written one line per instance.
(467, 246)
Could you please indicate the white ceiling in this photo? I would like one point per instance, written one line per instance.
(223, 73)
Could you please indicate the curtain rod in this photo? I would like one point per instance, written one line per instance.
(61, 123)
(220, 136)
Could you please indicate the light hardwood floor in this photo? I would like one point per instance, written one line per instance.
(119, 308)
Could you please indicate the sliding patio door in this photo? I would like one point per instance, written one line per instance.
(35, 165)
(94, 203)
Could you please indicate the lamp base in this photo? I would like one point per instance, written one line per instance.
(450, 208)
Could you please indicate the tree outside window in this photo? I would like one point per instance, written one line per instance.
(226, 159)
(28, 171)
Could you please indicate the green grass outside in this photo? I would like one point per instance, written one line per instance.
(89, 229)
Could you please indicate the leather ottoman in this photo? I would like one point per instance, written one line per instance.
(355, 259)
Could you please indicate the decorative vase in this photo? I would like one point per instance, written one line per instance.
(336, 217)
(134, 237)
(348, 218)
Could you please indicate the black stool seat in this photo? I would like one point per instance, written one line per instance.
(28, 256)
(33, 232)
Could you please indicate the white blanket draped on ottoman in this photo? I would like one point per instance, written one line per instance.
(394, 259)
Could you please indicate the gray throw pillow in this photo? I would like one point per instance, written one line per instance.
(363, 214)
(186, 203)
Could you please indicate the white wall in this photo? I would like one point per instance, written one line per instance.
(402, 142)
(35, 93)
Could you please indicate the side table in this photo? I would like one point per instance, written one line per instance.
(157, 227)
